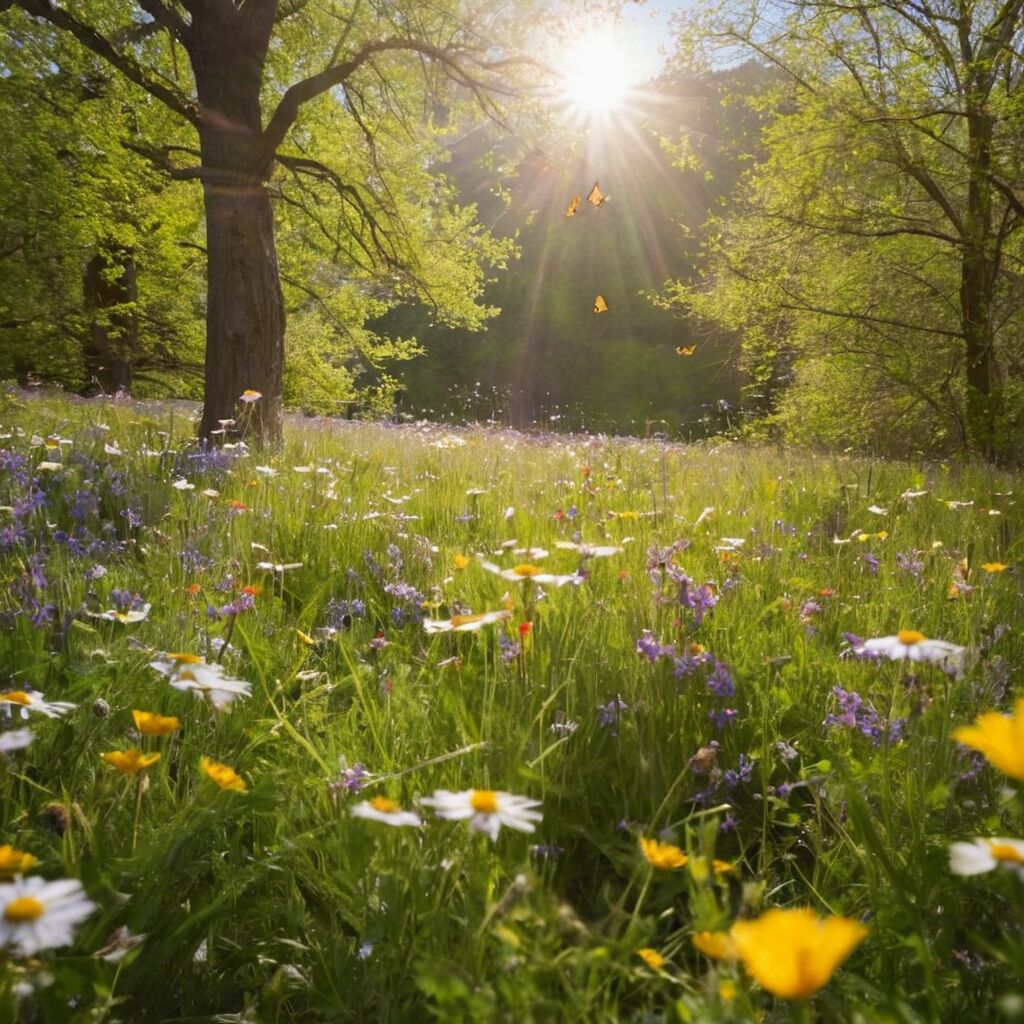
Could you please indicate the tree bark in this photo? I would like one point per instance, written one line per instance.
(977, 288)
(113, 342)
(245, 318)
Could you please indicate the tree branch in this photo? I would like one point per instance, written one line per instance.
(316, 85)
(93, 40)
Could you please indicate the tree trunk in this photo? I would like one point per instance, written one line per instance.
(245, 316)
(977, 285)
(244, 312)
(110, 293)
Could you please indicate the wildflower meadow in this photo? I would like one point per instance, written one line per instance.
(410, 723)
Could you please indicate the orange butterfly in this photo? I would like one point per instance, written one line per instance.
(686, 350)
(600, 306)
(596, 196)
(573, 207)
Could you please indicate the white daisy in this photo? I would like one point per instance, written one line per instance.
(116, 615)
(590, 550)
(38, 915)
(981, 855)
(526, 571)
(206, 681)
(464, 623)
(380, 808)
(486, 809)
(910, 645)
(16, 739)
(35, 702)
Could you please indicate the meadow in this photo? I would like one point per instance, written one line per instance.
(409, 723)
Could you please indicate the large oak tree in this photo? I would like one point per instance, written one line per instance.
(247, 77)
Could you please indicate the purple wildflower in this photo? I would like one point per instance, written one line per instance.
(720, 682)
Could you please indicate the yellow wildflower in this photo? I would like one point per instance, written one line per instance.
(994, 567)
(999, 737)
(717, 945)
(15, 862)
(130, 762)
(793, 953)
(663, 856)
(652, 958)
(225, 777)
(149, 723)
(460, 561)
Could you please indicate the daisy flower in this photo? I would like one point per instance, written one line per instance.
(116, 615)
(590, 550)
(464, 623)
(486, 809)
(16, 739)
(35, 702)
(380, 808)
(36, 914)
(190, 672)
(249, 396)
(910, 645)
(527, 571)
(981, 855)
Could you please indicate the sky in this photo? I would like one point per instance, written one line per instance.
(646, 35)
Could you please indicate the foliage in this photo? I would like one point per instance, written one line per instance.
(879, 239)
(277, 904)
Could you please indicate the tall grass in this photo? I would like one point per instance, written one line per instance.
(275, 904)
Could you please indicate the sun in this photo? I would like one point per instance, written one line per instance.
(596, 79)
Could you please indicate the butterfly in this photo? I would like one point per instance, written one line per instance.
(596, 196)
(600, 306)
(573, 207)
(686, 350)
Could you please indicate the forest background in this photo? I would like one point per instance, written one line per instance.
(774, 213)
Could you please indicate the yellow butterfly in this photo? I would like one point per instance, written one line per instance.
(573, 207)
(600, 306)
(596, 196)
(686, 350)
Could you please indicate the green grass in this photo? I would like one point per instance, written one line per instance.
(275, 904)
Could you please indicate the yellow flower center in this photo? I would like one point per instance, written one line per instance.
(483, 801)
(24, 908)
(1005, 852)
(185, 659)
(526, 570)
(910, 637)
(16, 697)
(464, 620)
(384, 805)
